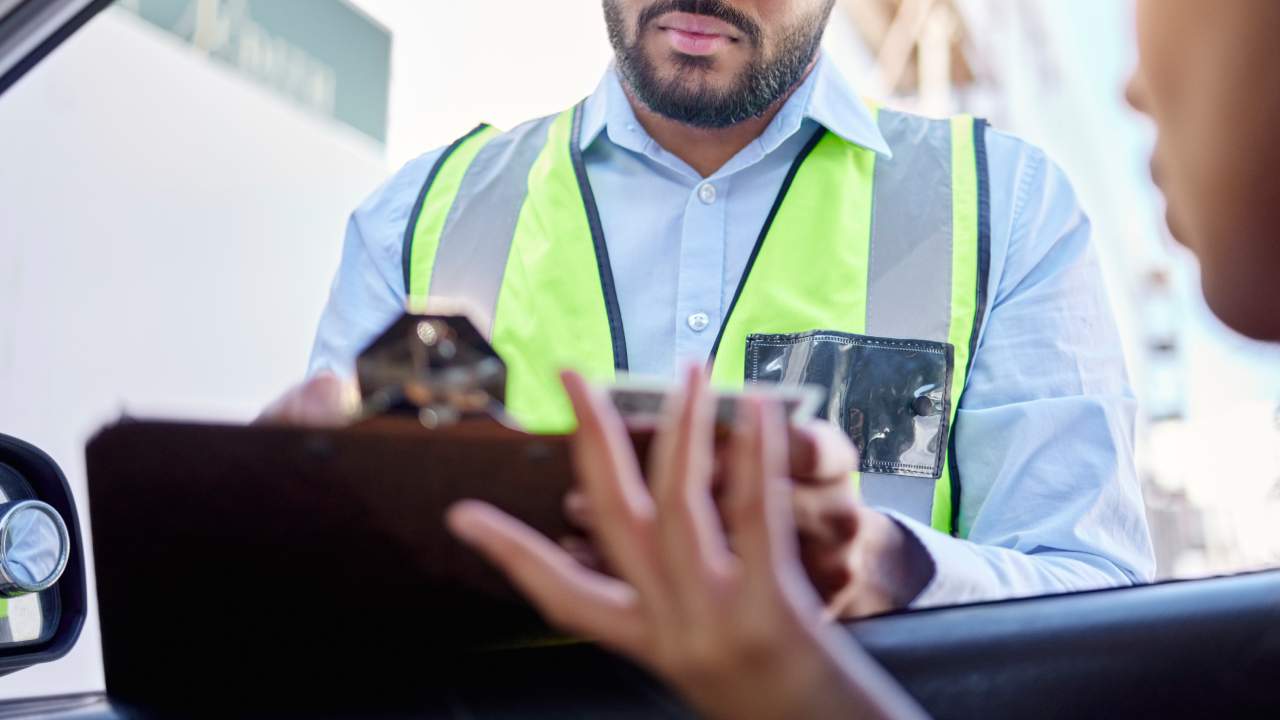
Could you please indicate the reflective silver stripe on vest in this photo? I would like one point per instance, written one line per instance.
(481, 225)
(910, 266)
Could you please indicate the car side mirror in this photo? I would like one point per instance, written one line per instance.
(43, 598)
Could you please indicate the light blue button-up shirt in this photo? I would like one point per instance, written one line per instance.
(1050, 501)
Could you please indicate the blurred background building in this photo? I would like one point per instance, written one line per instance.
(1209, 432)
(188, 166)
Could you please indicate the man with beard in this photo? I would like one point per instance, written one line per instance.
(725, 198)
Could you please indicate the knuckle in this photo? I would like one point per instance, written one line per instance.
(700, 656)
(750, 505)
(558, 615)
(611, 505)
(641, 526)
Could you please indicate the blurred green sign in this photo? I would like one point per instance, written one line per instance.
(322, 54)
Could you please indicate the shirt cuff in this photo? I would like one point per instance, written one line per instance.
(954, 571)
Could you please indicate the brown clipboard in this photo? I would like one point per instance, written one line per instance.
(270, 547)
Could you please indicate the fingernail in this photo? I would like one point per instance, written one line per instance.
(459, 519)
(571, 381)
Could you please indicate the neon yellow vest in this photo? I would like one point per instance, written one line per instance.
(508, 221)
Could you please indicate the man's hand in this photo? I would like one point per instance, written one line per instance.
(324, 400)
(860, 561)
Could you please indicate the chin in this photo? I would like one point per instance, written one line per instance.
(1177, 228)
(1244, 307)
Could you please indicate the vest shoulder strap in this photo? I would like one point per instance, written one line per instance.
(415, 215)
(460, 232)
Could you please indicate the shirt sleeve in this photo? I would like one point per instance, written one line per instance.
(368, 290)
(1050, 500)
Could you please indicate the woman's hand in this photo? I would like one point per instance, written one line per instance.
(860, 561)
(721, 610)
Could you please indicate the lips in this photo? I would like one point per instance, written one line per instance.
(697, 34)
(697, 25)
(696, 43)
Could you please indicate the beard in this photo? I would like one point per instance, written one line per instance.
(685, 98)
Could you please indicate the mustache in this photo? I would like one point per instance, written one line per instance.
(718, 9)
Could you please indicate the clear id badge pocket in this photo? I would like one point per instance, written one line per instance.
(892, 397)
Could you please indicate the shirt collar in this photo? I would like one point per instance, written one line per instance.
(824, 97)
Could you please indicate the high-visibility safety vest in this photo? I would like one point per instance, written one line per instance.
(877, 264)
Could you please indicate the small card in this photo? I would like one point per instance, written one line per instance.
(639, 400)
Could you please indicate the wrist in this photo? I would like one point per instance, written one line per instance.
(792, 677)
(901, 563)
(818, 673)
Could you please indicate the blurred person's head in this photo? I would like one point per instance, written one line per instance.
(714, 63)
(1209, 76)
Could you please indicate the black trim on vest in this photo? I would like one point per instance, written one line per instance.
(611, 307)
(406, 252)
(764, 232)
(980, 311)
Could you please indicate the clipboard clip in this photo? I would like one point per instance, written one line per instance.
(437, 367)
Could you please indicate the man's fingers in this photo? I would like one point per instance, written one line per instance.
(828, 567)
(324, 400)
(826, 513)
(568, 595)
(820, 452)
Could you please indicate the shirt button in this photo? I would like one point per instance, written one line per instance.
(699, 322)
(707, 193)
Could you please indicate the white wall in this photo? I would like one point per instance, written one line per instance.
(167, 235)
(456, 64)
(168, 230)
